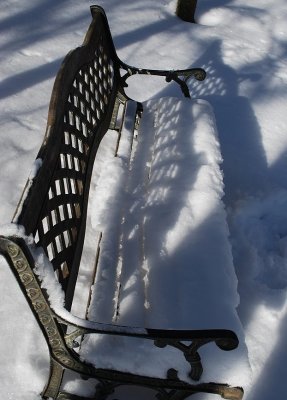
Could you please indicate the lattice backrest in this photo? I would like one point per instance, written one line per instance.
(81, 107)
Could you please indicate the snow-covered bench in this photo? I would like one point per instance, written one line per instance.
(158, 197)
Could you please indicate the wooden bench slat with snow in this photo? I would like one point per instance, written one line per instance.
(162, 286)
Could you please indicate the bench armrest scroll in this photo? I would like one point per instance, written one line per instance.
(180, 76)
(186, 341)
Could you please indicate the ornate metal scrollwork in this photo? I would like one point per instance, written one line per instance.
(199, 74)
(178, 76)
(63, 357)
(70, 338)
(36, 298)
(190, 353)
(227, 344)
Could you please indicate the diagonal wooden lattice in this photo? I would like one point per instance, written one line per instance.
(59, 222)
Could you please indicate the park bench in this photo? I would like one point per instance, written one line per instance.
(88, 99)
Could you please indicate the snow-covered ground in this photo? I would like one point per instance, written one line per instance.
(242, 45)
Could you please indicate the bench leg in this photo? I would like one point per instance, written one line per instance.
(55, 379)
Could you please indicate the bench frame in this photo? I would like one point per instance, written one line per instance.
(85, 102)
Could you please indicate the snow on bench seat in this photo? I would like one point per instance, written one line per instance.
(165, 258)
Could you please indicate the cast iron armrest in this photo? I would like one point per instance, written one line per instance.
(187, 341)
(180, 76)
(20, 257)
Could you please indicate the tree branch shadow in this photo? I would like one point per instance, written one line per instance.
(26, 79)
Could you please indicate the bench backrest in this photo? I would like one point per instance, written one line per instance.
(54, 207)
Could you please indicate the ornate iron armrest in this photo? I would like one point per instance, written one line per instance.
(21, 261)
(187, 341)
(180, 76)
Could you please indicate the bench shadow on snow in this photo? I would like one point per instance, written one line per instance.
(38, 23)
(244, 161)
(246, 175)
(29, 28)
(18, 82)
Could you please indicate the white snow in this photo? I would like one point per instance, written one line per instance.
(173, 248)
(240, 114)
